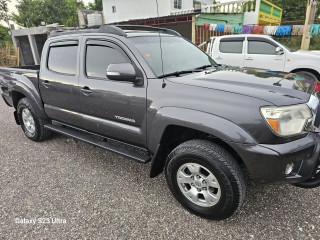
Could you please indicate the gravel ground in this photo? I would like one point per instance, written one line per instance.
(99, 195)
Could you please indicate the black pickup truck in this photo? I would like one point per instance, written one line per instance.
(150, 95)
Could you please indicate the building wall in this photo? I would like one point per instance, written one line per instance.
(185, 4)
(250, 18)
(206, 2)
(220, 18)
(139, 9)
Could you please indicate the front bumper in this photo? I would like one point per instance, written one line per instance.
(267, 163)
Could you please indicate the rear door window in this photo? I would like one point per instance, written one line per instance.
(63, 59)
(231, 46)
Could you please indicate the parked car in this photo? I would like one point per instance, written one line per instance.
(261, 51)
(201, 123)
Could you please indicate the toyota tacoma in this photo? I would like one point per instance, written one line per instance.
(150, 95)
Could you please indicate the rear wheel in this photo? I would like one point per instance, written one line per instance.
(31, 123)
(205, 179)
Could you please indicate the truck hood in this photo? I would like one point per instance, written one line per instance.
(277, 88)
(309, 53)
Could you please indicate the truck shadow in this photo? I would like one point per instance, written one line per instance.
(267, 201)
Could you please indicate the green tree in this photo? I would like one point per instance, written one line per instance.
(4, 36)
(293, 10)
(4, 11)
(71, 11)
(32, 12)
(95, 5)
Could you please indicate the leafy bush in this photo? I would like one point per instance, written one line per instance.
(294, 42)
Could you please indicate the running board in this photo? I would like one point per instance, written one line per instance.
(123, 149)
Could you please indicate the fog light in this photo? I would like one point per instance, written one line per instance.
(289, 168)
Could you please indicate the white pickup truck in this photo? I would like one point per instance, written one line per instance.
(261, 51)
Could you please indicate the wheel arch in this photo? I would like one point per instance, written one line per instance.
(16, 97)
(22, 90)
(315, 72)
(175, 126)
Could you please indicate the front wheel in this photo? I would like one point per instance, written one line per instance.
(31, 123)
(205, 179)
(308, 75)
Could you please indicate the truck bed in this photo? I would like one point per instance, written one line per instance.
(25, 74)
(21, 69)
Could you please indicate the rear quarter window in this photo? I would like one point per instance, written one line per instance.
(63, 59)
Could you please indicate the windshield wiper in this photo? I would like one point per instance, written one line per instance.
(178, 73)
(203, 67)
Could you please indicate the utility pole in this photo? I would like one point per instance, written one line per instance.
(310, 16)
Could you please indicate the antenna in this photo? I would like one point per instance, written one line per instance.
(163, 82)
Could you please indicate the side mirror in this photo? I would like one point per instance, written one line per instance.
(279, 51)
(122, 72)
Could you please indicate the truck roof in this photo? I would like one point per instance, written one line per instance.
(121, 30)
(242, 35)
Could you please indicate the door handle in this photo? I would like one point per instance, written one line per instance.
(249, 59)
(86, 91)
(46, 83)
(219, 58)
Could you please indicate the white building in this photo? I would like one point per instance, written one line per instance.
(124, 10)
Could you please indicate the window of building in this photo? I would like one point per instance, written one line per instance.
(256, 47)
(231, 47)
(178, 4)
(114, 9)
(99, 58)
(63, 59)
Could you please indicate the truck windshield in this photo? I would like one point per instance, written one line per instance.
(179, 55)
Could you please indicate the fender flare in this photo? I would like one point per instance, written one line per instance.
(309, 67)
(193, 119)
(197, 120)
(24, 86)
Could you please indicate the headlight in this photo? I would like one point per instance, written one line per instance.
(287, 121)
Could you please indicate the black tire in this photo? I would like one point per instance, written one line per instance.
(224, 168)
(40, 132)
(308, 75)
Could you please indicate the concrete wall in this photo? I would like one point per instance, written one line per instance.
(250, 18)
(30, 42)
(139, 9)
(26, 56)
